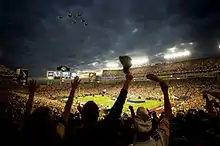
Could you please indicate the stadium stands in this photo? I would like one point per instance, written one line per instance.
(195, 67)
(34, 115)
(6, 72)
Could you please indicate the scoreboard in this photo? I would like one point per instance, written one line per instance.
(51, 75)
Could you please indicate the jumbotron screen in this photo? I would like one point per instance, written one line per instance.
(57, 74)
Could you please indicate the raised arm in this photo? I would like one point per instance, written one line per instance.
(116, 110)
(164, 88)
(164, 124)
(132, 111)
(69, 102)
(167, 104)
(32, 89)
(28, 107)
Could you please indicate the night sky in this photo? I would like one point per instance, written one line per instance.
(32, 35)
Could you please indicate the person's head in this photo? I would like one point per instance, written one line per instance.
(41, 125)
(141, 111)
(180, 115)
(143, 120)
(42, 116)
(90, 112)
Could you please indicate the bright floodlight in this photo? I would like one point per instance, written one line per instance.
(181, 54)
(139, 61)
(219, 46)
(112, 65)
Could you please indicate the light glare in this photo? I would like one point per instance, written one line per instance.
(184, 53)
(139, 61)
(112, 65)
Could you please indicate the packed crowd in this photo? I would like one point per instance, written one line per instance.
(183, 67)
(34, 116)
(143, 89)
(6, 72)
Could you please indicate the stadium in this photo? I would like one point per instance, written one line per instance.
(110, 73)
(190, 75)
(187, 80)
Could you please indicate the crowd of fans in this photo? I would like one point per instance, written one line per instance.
(6, 72)
(32, 114)
(139, 89)
(183, 67)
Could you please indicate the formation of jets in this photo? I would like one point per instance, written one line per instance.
(75, 18)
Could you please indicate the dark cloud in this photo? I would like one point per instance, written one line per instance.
(32, 37)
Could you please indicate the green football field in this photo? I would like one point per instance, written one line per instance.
(107, 101)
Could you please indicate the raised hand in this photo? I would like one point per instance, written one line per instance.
(163, 84)
(153, 77)
(131, 107)
(75, 83)
(132, 111)
(32, 89)
(33, 86)
(69, 103)
(164, 87)
(126, 63)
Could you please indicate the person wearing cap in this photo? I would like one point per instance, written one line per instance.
(143, 124)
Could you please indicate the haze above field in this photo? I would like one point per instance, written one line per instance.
(40, 35)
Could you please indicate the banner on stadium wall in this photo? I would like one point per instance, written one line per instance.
(22, 76)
